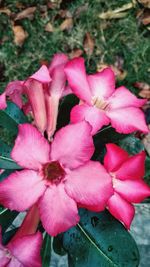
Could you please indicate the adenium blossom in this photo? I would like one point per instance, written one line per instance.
(57, 177)
(23, 250)
(43, 90)
(129, 187)
(100, 103)
(13, 91)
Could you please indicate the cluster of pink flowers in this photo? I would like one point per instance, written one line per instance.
(59, 176)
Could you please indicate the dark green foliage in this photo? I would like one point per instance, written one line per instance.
(100, 241)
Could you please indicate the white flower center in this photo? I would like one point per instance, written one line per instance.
(99, 102)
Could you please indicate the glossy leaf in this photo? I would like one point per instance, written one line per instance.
(131, 144)
(8, 235)
(66, 105)
(6, 218)
(11, 117)
(100, 241)
(46, 251)
(57, 245)
(104, 136)
(5, 160)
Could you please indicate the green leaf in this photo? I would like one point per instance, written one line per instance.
(8, 235)
(65, 107)
(100, 241)
(6, 218)
(5, 174)
(46, 251)
(104, 136)
(5, 160)
(11, 117)
(58, 245)
(131, 144)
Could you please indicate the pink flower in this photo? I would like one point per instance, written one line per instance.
(102, 103)
(35, 92)
(57, 177)
(127, 178)
(13, 91)
(44, 89)
(24, 248)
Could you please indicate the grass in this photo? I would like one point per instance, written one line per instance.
(122, 37)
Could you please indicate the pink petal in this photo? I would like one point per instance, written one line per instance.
(114, 157)
(58, 211)
(57, 60)
(21, 190)
(131, 190)
(29, 224)
(133, 167)
(89, 185)
(14, 90)
(102, 83)
(127, 120)
(73, 145)
(93, 115)
(42, 75)
(14, 263)
(27, 108)
(77, 79)
(36, 97)
(52, 104)
(67, 91)
(122, 97)
(121, 209)
(3, 103)
(57, 85)
(3, 259)
(27, 250)
(31, 149)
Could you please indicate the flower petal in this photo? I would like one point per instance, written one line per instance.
(58, 211)
(14, 263)
(114, 157)
(132, 168)
(73, 145)
(93, 115)
(131, 190)
(35, 93)
(77, 79)
(31, 149)
(42, 75)
(27, 250)
(127, 120)
(3, 259)
(52, 104)
(3, 103)
(122, 98)
(121, 209)
(14, 90)
(58, 81)
(21, 190)
(89, 185)
(102, 83)
(57, 60)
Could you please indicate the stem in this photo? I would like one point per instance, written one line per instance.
(96, 246)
